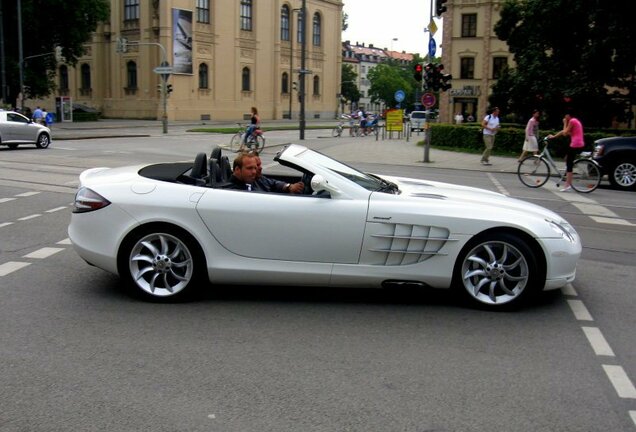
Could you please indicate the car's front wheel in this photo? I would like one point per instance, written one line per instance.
(43, 141)
(623, 175)
(162, 264)
(498, 270)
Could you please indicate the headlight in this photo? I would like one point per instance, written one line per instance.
(598, 150)
(564, 229)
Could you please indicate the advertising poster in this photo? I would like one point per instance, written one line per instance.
(182, 41)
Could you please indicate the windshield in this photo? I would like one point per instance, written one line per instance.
(367, 181)
(418, 115)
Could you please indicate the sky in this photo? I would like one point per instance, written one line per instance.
(379, 22)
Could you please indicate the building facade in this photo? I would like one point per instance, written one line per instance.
(473, 54)
(226, 57)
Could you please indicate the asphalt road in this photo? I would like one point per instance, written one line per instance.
(78, 353)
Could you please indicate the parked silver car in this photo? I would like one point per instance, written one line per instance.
(16, 129)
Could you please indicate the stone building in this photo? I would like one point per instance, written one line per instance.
(227, 56)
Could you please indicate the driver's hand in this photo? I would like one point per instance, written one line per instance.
(296, 187)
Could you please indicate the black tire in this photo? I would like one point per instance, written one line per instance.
(336, 132)
(623, 175)
(43, 141)
(533, 171)
(162, 264)
(585, 176)
(497, 271)
(235, 142)
(12, 146)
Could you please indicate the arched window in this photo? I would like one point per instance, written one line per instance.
(203, 76)
(85, 71)
(284, 84)
(284, 23)
(316, 30)
(131, 75)
(63, 78)
(316, 86)
(245, 79)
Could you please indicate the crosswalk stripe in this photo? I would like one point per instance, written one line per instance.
(11, 266)
(594, 210)
(42, 253)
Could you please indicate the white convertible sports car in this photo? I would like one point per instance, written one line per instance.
(170, 229)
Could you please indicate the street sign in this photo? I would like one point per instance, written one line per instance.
(428, 100)
(399, 96)
(163, 70)
(432, 27)
(432, 48)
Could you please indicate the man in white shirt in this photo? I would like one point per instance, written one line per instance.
(490, 125)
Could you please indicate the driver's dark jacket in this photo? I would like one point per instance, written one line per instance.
(266, 184)
(237, 184)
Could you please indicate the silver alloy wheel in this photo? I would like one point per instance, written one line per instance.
(495, 272)
(43, 141)
(161, 264)
(625, 174)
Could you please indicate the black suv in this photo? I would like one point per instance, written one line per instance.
(617, 158)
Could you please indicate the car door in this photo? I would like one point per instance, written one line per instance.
(285, 227)
(20, 131)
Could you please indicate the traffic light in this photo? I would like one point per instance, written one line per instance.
(169, 88)
(429, 75)
(295, 86)
(440, 7)
(443, 79)
(160, 88)
(417, 72)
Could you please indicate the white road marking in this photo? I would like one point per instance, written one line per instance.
(65, 148)
(598, 342)
(55, 209)
(45, 252)
(66, 241)
(592, 209)
(11, 266)
(580, 311)
(27, 194)
(4, 224)
(33, 216)
(569, 290)
(498, 185)
(621, 382)
(4, 200)
(632, 414)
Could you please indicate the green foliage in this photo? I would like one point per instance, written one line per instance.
(348, 89)
(45, 25)
(385, 81)
(567, 54)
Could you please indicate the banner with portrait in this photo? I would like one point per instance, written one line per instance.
(182, 41)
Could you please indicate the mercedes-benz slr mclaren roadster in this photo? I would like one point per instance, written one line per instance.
(170, 229)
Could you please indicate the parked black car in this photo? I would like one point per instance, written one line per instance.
(617, 158)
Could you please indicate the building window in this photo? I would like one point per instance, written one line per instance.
(203, 76)
(284, 83)
(131, 10)
(469, 25)
(284, 23)
(245, 79)
(316, 86)
(203, 11)
(499, 65)
(299, 32)
(316, 30)
(131, 75)
(467, 68)
(64, 78)
(246, 15)
(85, 72)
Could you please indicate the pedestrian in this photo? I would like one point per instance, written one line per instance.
(470, 118)
(44, 115)
(459, 118)
(490, 125)
(573, 128)
(530, 144)
(37, 115)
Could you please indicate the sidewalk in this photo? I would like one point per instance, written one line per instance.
(348, 149)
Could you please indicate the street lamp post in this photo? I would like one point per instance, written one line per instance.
(20, 55)
(303, 46)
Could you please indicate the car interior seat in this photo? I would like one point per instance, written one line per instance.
(216, 153)
(215, 173)
(226, 168)
(199, 172)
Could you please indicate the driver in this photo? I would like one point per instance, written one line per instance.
(244, 171)
(267, 184)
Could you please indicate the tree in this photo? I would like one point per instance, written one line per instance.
(568, 53)
(349, 89)
(385, 81)
(47, 24)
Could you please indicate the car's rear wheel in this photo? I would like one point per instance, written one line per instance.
(498, 271)
(162, 264)
(43, 141)
(623, 175)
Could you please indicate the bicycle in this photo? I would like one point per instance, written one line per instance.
(255, 142)
(535, 170)
(337, 131)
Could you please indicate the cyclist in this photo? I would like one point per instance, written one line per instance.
(574, 129)
(255, 122)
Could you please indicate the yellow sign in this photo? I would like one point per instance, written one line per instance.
(432, 27)
(394, 120)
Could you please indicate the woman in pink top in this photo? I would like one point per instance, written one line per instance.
(574, 129)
